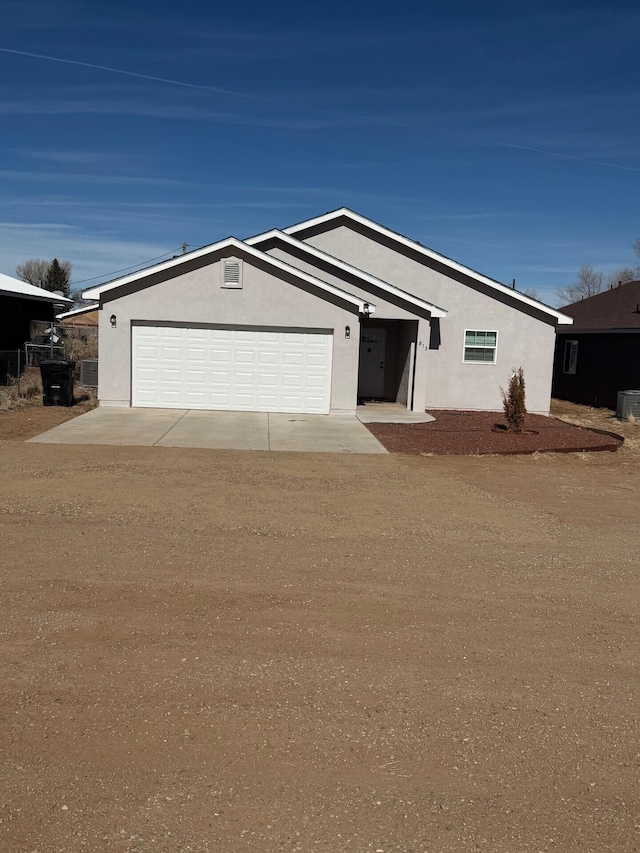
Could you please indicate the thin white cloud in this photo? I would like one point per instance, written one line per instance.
(98, 179)
(72, 158)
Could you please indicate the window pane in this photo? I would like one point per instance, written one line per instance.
(570, 356)
(475, 338)
(479, 354)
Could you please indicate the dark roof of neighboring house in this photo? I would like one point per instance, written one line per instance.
(618, 308)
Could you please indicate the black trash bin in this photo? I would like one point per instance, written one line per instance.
(57, 381)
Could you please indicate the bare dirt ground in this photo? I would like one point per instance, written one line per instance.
(228, 651)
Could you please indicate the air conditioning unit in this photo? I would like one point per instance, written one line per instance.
(89, 373)
(628, 404)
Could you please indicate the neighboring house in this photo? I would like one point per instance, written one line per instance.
(313, 319)
(20, 303)
(84, 317)
(600, 355)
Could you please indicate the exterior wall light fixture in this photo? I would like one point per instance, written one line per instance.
(347, 332)
(113, 320)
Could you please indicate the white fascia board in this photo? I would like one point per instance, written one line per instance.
(23, 290)
(341, 265)
(562, 319)
(84, 309)
(230, 243)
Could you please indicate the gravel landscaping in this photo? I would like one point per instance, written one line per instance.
(456, 433)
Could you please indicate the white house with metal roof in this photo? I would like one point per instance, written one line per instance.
(313, 319)
(20, 304)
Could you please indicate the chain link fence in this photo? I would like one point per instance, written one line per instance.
(47, 341)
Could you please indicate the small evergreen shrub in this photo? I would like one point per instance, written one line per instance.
(513, 402)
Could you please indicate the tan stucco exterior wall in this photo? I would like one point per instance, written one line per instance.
(442, 379)
(197, 297)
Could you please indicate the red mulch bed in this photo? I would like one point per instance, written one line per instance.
(467, 433)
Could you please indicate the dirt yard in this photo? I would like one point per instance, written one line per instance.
(229, 651)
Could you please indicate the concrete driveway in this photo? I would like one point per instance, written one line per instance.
(219, 430)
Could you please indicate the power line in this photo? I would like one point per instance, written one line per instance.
(141, 264)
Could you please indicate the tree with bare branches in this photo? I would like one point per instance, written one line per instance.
(52, 275)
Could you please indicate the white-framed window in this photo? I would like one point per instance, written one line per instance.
(231, 272)
(480, 346)
(570, 357)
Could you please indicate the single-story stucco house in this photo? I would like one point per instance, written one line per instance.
(314, 318)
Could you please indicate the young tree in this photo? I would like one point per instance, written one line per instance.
(58, 276)
(513, 402)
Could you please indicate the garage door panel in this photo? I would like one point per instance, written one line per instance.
(196, 334)
(147, 374)
(245, 336)
(266, 403)
(220, 377)
(317, 383)
(171, 354)
(268, 380)
(169, 375)
(245, 356)
(195, 400)
(195, 377)
(233, 369)
(244, 401)
(293, 358)
(317, 360)
(245, 379)
(196, 354)
(171, 399)
(148, 351)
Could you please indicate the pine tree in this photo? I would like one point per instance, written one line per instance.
(58, 277)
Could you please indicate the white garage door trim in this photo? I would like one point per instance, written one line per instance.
(250, 369)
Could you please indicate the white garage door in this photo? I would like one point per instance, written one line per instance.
(255, 370)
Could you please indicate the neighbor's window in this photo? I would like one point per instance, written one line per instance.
(570, 356)
(480, 346)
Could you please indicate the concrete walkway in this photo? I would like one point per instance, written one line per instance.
(219, 430)
(390, 413)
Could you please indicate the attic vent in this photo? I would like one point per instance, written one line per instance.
(231, 272)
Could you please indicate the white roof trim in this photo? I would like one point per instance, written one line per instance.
(230, 243)
(330, 259)
(562, 319)
(24, 290)
(84, 309)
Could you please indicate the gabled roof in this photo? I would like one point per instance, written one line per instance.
(618, 308)
(244, 249)
(341, 265)
(23, 290)
(344, 212)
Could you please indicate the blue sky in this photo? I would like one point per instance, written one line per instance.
(503, 135)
